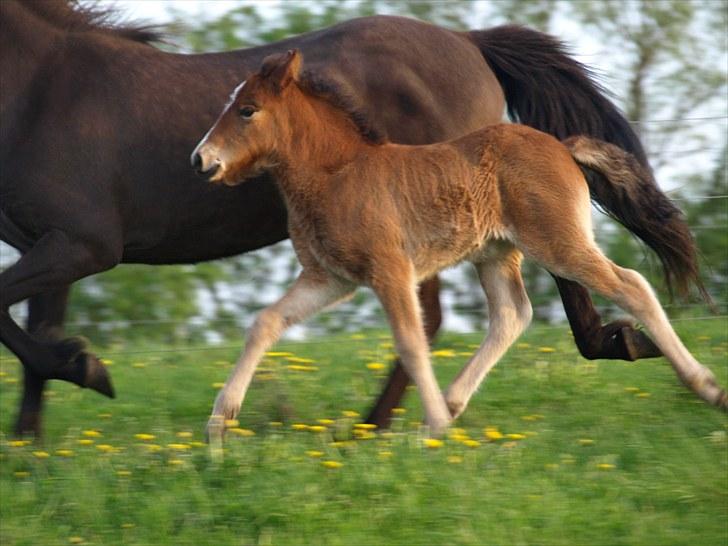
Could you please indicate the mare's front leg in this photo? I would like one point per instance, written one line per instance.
(46, 313)
(53, 262)
(615, 340)
(397, 290)
(312, 291)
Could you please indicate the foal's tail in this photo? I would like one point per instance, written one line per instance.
(627, 191)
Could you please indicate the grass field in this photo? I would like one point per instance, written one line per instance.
(553, 450)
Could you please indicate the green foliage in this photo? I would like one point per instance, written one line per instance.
(611, 453)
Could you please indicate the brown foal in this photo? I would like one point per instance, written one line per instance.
(363, 211)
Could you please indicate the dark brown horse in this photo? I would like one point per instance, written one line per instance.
(97, 125)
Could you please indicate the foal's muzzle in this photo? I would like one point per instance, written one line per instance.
(196, 162)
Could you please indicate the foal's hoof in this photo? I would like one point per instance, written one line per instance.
(638, 345)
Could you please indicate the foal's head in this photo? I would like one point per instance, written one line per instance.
(243, 140)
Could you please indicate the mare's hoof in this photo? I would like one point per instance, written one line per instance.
(638, 345)
(96, 377)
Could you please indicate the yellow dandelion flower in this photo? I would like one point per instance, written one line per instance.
(301, 368)
(105, 448)
(398, 411)
(18, 443)
(153, 447)
(218, 385)
(350, 413)
(41, 454)
(21, 474)
(64, 452)
(364, 434)
(299, 426)
(471, 443)
(332, 464)
(85, 442)
(106, 361)
(454, 459)
(376, 366)
(492, 434)
(123, 473)
(317, 428)
(357, 336)
(325, 421)
(178, 447)
(230, 423)
(91, 433)
(241, 432)
(365, 426)
(76, 540)
(138, 365)
(585, 442)
(314, 453)
(523, 345)
(300, 360)
(144, 436)
(198, 444)
(465, 353)
(444, 353)
(277, 353)
(606, 466)
(340, 444)
(643, 395)
(184, 434)
(515, 436)
(546, 350)
(433, 443)
(386, 345)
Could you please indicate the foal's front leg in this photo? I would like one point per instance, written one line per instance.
(398, 293)
(310, 293)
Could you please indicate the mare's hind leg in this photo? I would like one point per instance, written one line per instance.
(616, 340)
(629, 290)
(510, 313)
(308, 295)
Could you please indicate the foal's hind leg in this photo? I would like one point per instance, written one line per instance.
(510, 313)
(309, 294)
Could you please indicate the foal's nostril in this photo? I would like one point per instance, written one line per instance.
(196, 161)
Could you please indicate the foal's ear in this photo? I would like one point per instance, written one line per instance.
(283, 69)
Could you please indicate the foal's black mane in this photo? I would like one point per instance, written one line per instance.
(332, 93)
(71, 16)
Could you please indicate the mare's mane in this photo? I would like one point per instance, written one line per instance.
(331, 92)
(69, 15)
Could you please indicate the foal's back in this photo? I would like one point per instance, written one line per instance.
(442, 203)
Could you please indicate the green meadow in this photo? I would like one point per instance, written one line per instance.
(554, 449)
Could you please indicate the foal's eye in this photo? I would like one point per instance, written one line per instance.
(247, 112)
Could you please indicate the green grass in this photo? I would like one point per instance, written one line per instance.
(614, 453)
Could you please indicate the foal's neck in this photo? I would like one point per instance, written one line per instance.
(323, 139)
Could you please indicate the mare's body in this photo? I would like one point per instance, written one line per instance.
(97, 124)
